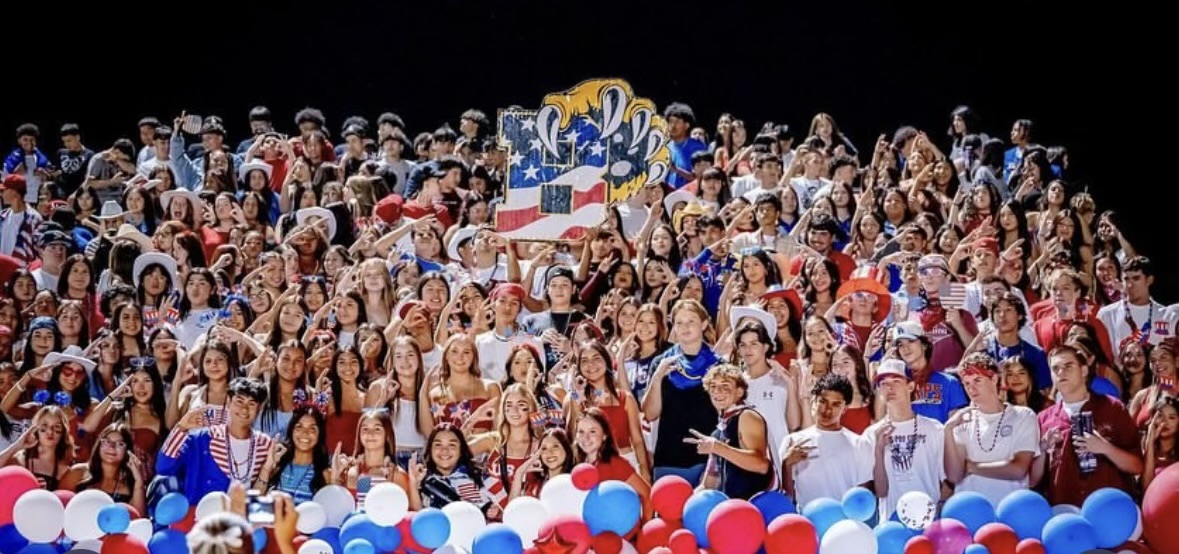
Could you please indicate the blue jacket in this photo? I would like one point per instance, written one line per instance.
(17, 157)
(201, 459)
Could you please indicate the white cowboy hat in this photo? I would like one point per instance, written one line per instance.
(72, 355)
(302, 216)
(129, 232)
(676, 197)
(110, 210)
(192, 198)
(168, 262)
(457, 239)
(246, 168)
(737, 313)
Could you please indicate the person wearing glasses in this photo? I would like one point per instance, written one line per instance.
(114, 469)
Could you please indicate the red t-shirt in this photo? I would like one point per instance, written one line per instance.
(617, 469)
(1065, 483)
(1051, 332)
(417, 210)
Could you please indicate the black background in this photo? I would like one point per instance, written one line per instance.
(1084, 74)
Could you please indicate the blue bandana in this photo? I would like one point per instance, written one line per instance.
(691, 372)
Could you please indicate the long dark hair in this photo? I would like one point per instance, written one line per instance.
(334, 376)
(1036, 399)
(269, 412)
(159, 399)
(80, 397)
(320, 460)
(466, 461)
(608, 449)
(94, 468)
(214, 298)
(861, 383)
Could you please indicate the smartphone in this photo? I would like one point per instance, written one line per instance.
(259, 508)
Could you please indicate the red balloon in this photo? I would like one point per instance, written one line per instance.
(668, 496)
(655, 533)
(735, 527)
(408, 545)
(15, 481)
(791, 534)
(66, 496)
(607, 543)
(997, 537)
(682, 541)
(134, 513)
(565, 529)
(187, 522)
(584, 476)
(1027, 546)
(123, 543)
(920, 545)
(1160, 511)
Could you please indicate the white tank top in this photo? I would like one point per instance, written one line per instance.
(769, 396)
(405, 425)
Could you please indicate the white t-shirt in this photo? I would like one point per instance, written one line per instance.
(770, 396)
(913, 461)
(433, 358)
(45, 281)
(1020, 432)
(10, 232)
(842, 460)
(242, 460)
(806, 190)
(493, 355)
(194, 325)
(1162, 321)
(405, 425)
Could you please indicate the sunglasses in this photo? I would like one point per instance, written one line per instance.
(930, 271)
(72, 372)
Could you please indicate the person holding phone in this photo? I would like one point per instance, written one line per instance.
(825, 459)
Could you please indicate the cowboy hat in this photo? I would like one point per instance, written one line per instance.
(168, 263)
(676, 197)
(864, 279)
(129, 232)
(246, 168)
(767, 320)
(190, 196)
(302, 216)
(787, 294)
(72, 355)
(110, 210)
(456, 241)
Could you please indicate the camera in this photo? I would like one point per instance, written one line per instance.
(259, 508)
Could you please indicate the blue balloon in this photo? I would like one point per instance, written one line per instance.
(612, 506)
(172, 508)
(114, 519)
(1069, 534)
(11, 539)
(260, 539)
(430, 528)
(976, 549)
(498, 538)
(696, 512)
(859, 504)
(330, 535)
(41, 548)
(167, 541)
(359, 546)
(891, 537)
(772, 504)
(1114, 515)
(971, 508)
(1025, 512)
(823, 513)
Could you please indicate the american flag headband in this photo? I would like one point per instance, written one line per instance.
(317, 401)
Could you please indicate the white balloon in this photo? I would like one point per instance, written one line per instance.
(465, 523)
(916, 509)
(337, 502)
(312, 518)
(448, 549)
(1065, 509)
(849, 536)
(628, 548)
(81, 516)
(525, 515)
(316, 546)
(140, 529)
(561, 497)
(39, 516)
(213, 503)
(386, 504)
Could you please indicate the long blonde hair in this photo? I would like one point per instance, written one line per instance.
(504, 428)
(694, 306)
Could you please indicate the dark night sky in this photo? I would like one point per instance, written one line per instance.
(873, 66)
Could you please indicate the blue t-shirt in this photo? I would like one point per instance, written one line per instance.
(1034, 355)
(681, 158)
(942, 394)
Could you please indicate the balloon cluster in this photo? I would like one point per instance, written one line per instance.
(578, 514)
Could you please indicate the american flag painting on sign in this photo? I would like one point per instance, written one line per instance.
(583, 149)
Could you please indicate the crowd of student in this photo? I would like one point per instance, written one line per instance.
(943, 312)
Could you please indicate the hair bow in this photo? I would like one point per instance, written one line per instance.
(317, 402)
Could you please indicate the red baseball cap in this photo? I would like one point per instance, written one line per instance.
(15, 182)
(389, 208)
